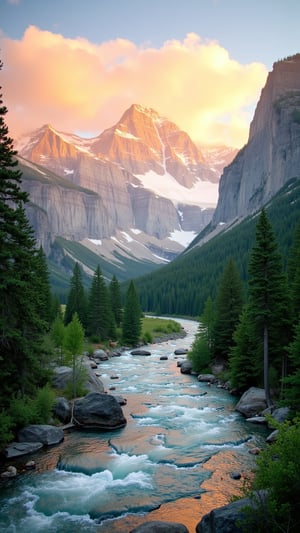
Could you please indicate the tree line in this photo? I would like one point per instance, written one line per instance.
(30, 315)
(255, 331)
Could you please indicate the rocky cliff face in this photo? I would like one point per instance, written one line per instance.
(272, 154)
(143, 175)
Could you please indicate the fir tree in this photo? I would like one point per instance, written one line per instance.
(73, 343)
(269, 308)
(294, 274)
(229, 304)
(76, 302)
(243, 372)
(116, 300)
(202, 347)
(22, 328)
(101, 319)
(132, 319)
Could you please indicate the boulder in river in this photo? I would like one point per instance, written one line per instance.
(98, 410)
(139, 351)
(63, 376)
(62, 409)
(180, 351)
(44, 433)
(156, 526)
(252, 403)
(186, 367)
(18, 449)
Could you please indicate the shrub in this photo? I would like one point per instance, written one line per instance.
(278, 472)
(6, 434)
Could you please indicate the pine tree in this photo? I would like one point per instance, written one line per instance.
(45, 300)
(202, 347)
(101, 318)
(132, 319)
(77, 301)
(73, 343)
(242, 362)
(116, 300)
(22, 328)
(269, 308)
(228, 307)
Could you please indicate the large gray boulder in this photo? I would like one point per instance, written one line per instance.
(63, 375)
(44, 433)
(18, 449)
(186, 367)
(62, 409)
(157, 526)
(98, 411)
(229, 518)
(252, 403)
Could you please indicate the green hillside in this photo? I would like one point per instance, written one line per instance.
(182, 287)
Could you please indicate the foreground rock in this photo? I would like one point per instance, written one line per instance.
(229, 518)
(62, 409)
(98, 411)
(160, 527)
(252, 403)
(44, 433)
(17, 449)
(186, 367)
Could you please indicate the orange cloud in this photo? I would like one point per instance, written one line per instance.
(76, 85)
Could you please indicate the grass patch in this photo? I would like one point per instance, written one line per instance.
(156, 327)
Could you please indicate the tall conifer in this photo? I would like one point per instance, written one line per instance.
(101, 318)
(269, 308)
(77, 301)
(22, 328)
(132, 319)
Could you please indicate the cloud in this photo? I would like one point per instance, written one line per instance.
(77, 85)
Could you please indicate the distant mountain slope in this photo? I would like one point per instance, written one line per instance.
(139, 192)
(183, 286)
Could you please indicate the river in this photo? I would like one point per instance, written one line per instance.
(173, 461)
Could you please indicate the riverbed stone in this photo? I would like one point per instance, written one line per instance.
(180, 351)
(252, 402)
(140, 351)
(206, 378)
(98, 410)
(186, 367)
(156, 526)
(44, 433)
(63, 376)
(229, 518)
(62, 409)
(18, 449)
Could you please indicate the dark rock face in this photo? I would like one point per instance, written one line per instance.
(252, 403)
(140, 352)
(17, 449)
(229, 518)
(160, 527)
(62, 409)
(98, 411)
(186, 367)
(43, 433)
(272, 154)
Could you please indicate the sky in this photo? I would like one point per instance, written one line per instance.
(79, 64)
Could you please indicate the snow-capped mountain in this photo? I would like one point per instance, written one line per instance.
(141, 181)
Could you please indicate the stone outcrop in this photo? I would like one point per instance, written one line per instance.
(272, 155)
(44, 433)
(252, 402)
(63, 376)
(98, 411)
(229, 518)
(157, 526)
(18, 449)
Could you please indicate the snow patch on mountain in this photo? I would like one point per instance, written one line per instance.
(203, 193)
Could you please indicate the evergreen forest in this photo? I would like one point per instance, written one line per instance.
(243, 286)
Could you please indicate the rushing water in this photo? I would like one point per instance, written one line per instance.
(172, 461)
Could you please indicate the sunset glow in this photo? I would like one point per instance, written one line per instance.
(77, 85)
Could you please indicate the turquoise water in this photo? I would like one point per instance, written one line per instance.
(102, 482)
